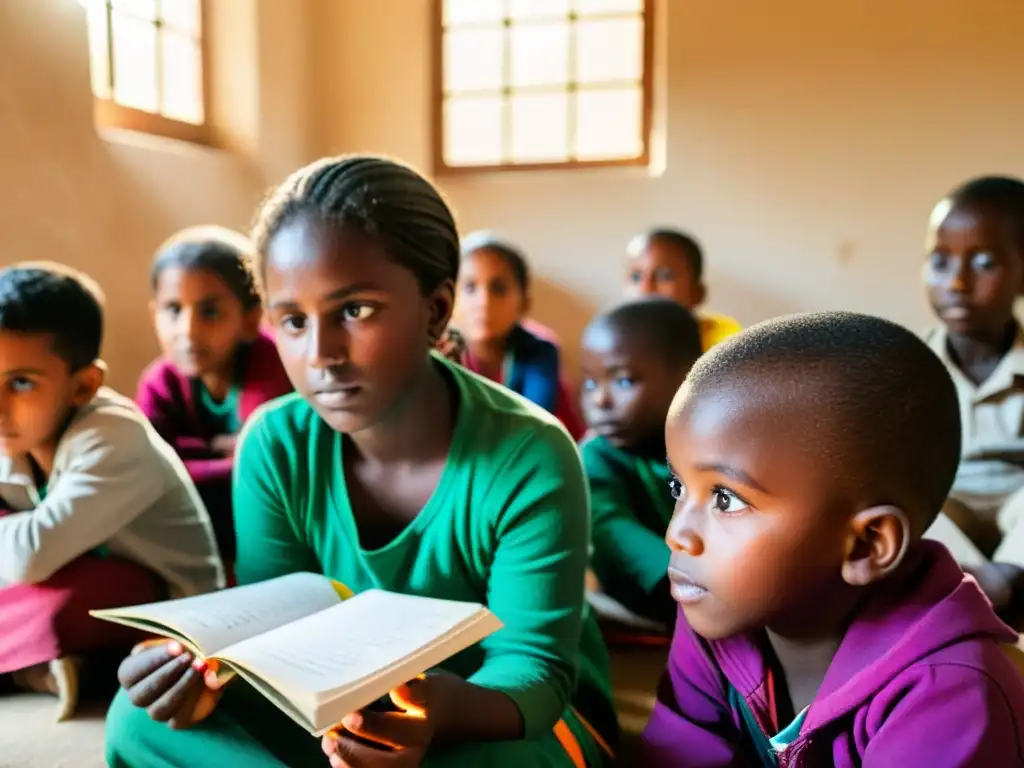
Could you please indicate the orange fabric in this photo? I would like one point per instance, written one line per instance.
(595, 735)
(570, 744)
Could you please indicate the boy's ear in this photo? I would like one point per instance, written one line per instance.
(440, 303)
(876, 544)
(87, 381)
(700, 293)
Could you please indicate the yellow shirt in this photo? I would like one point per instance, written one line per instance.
(716, 328)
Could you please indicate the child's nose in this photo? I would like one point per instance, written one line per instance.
(960, 277)
(602, 398)
(682, 535)
(327, 346)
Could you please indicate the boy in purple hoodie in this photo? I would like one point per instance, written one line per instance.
(817, 628)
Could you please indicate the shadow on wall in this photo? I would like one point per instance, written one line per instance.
(567, 313)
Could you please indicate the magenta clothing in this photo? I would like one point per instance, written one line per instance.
(167, 398)
(920, 679)
(42, 622)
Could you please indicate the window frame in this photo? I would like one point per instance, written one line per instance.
(437, 95)
(108, 113)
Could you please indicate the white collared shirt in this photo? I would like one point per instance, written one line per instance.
(992, 419)
(114, 483)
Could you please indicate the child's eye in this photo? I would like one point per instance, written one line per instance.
(664, 275)
(357, 311)
(172, 309)
(727, 502)
(210, 313)
(939, 262)
(21, 384)
(292, 323)
(675, 487)
(982, 262)
(625, 382)
(589, 385)
(635, 277)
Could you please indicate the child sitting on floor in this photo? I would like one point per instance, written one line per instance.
(492, 299)
(974, 274)
(634, 359)
(670, 263)
(817, 628)
(97, 510)
(392, 468)
(217, 366)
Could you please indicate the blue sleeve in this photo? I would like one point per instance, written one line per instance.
(535, 371)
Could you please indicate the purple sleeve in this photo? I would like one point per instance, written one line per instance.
(972, 715)
(167, 412)
(691, 725)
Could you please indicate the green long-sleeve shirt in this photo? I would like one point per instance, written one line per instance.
(631, 506)
(506, 526)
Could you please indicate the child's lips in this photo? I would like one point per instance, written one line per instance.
(684, 589)
(957, 311)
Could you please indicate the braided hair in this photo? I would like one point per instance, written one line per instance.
(377, 196)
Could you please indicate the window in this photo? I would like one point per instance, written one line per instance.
(147, 66)
(542, 83)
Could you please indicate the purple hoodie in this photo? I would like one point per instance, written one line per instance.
(920, 679)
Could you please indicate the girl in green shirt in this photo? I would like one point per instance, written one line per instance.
(392, 468)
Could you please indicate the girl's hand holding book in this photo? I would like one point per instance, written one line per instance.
(373, 738)
(170, 683)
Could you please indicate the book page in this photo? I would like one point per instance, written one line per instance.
(945, 531)
(354, 641)
(214, 621)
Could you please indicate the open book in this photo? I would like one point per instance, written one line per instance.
(312, 649)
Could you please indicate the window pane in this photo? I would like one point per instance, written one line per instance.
(472, 11)
(182, 15)
(473, 59)
(135, 63)
(182, 79)
(608, 6)
(99, 54)
(472, 131)
(540, 54)
(143, 9)
(609, 50)
(540, 128)
(538, 9)
(609, 124)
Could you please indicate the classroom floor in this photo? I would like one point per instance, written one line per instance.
(29, 737)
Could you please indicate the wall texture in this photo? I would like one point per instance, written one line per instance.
(805, 143)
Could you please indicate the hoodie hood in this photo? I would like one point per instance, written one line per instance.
(925, 606)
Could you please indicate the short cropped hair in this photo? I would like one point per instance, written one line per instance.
(664, 325)
(44, 297)
(890, 398)
(686, 244)
(1002, 194)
